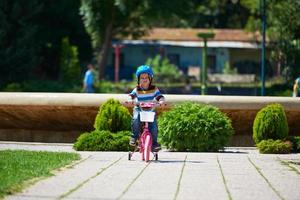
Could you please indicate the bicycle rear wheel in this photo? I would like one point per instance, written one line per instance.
(147, 148)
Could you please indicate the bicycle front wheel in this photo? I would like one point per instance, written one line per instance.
(147, 148)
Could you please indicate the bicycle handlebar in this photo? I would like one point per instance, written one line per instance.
(151, 104)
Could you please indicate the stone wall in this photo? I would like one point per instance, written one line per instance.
(62, 117)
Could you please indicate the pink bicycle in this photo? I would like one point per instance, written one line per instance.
(147, 114)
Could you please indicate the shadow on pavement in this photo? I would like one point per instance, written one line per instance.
(238, 152)
(177, 161)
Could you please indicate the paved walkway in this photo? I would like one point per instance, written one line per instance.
(239, 173)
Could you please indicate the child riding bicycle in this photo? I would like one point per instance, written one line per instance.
(144, 92)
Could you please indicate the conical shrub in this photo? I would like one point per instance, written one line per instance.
(270, 123)
(113, 116)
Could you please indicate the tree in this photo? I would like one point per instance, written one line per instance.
(164, 71)
(108, 19)
(18, 50)
(283, 29)
(203, 14)
(218, 14)
(60, 19)
(69, 63)
(31, 34)
(105, 19)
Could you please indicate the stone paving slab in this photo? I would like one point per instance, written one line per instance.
(111, 183)
(243, 180)
(284, 180)
(36, 146)
(202, 178)
(159, 180)
(68, 179)
(238, 173)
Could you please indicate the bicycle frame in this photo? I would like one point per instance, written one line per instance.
(145, 139)
(145, 143)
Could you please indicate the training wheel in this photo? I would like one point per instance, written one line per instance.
(156, 156)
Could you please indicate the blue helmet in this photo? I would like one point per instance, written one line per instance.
(144, 69)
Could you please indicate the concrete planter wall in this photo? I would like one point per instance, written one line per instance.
(61, 117)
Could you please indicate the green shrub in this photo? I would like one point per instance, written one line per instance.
(43, 86)
(270, 123)
(194, 127)
(280, 89)
(113, 117)
(164, 71)
(229, 70)
(120, 141)
(13, 87)
(112, 124)
(274, 146)
(69, 63)
(295, 140)
(104, 86)
(103, 141)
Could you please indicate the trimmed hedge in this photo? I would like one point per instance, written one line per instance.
(295, 140)
(112, 125)
(103, 141)
(113, 116)
(194, 127)
(275, 146)
(270, 123)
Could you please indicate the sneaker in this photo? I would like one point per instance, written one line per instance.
(156, 147)
(132, 141)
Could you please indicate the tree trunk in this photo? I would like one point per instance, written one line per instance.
(102, 58)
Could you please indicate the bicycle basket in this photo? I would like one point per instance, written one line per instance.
(147, 116)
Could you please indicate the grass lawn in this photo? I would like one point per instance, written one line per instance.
(18, 167)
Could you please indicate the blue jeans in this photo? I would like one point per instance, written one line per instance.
(89, 89)
(136, 127)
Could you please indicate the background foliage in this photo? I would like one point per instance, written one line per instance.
(164, 71)
(31, 32)
(69, 63)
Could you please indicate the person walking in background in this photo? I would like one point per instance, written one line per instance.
(296, 88)
(89, 79)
